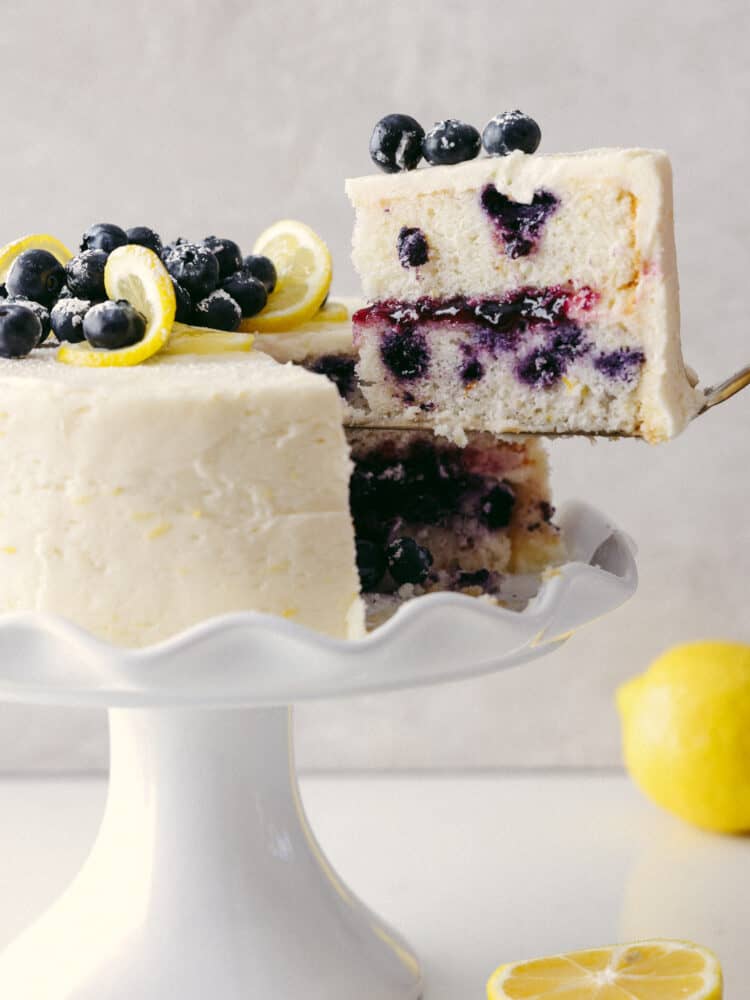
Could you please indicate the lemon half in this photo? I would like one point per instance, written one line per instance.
(304, 269)
(646, 970)
(36, 241)
(138, 275)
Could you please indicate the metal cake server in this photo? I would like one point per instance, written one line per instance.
(725, 390)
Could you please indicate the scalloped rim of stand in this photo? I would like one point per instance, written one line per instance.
(252, 660)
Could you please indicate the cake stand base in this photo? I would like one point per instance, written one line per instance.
(206, 880)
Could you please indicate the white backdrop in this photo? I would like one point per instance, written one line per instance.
(222, 116)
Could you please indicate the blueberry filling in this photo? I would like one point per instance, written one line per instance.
(339, 368)
(524, 308)
(541, 368)
(472, 371)
(569, 342)
(496, 507)
(412, 247)
(405, 353)
(519, 226)
(622, 364)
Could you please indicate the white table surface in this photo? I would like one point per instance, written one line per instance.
(473, 870)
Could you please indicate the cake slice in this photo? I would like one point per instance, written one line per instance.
(524, 294)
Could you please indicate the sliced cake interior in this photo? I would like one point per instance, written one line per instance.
(430, 514)
(541, 297)
(433, 516)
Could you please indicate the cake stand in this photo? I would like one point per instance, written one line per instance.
(205, 879)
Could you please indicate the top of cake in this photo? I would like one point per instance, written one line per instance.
(518, 170)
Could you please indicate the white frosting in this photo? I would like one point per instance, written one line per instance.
(144, 500)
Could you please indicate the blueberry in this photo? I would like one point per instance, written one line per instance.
(405, 353)
(67, 318)
(184, 311)
(622, 364)
(511, 130)
(262, 268)
(169, 247)
(407, 561)
(64, 293)
(339, 368)
(569, 342)
(226, 252)
(496, 507)
(20, 330)
(412, 247)
(40, 311)
(142, 236)
(37, 275)
(246, 290)
(519, 225)
(542, 368)
(194, 267)
(370, 563)
(85, 274)
(396, 143)
(218, 311)
(472, 371)
(113, 325)
(104, 236)
(451, 141)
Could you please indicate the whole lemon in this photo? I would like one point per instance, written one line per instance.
(686, 733)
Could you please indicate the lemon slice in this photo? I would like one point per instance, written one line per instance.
(37, 241)
(646, 970)
(304, 268)
(136, 274)
(200, 340)
(331, 312)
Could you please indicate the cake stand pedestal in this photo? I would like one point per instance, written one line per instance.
(205, 879)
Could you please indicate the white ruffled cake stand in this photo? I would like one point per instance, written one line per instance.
(205, 879)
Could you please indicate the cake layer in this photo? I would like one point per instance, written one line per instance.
(144, 500)
(513, 249)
